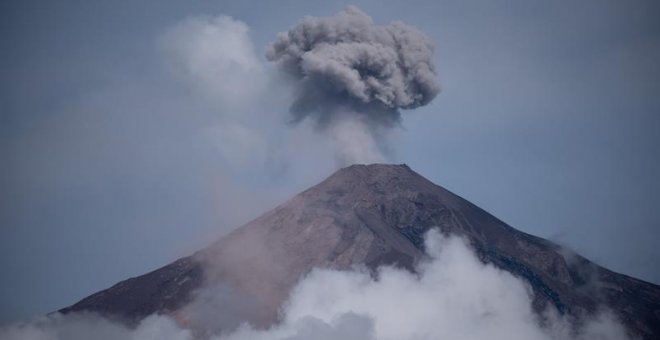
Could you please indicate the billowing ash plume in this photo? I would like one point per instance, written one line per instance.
(345, 66)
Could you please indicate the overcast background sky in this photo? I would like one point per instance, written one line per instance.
(127, 141)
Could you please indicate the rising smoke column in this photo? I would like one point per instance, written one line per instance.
(346, 68)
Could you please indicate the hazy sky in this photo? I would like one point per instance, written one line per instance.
(132, 133)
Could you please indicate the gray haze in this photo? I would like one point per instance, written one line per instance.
(130, 133)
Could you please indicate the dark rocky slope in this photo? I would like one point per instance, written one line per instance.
(372, 215)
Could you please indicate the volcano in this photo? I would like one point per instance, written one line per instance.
(369, 215)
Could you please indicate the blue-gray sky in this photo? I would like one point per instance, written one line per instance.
(120, 151)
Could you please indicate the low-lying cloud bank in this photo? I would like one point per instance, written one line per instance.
(453, 296)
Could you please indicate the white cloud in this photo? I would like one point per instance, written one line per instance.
(83, 327)
(453, 296)
(217, 57)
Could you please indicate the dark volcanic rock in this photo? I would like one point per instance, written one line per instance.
(162, 291)
(372, 215)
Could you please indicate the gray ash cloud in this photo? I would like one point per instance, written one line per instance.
(347, 65)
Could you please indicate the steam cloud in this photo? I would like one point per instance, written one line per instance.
(453, 296)
(346, 67)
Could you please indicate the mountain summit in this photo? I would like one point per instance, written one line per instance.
(367, 215)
